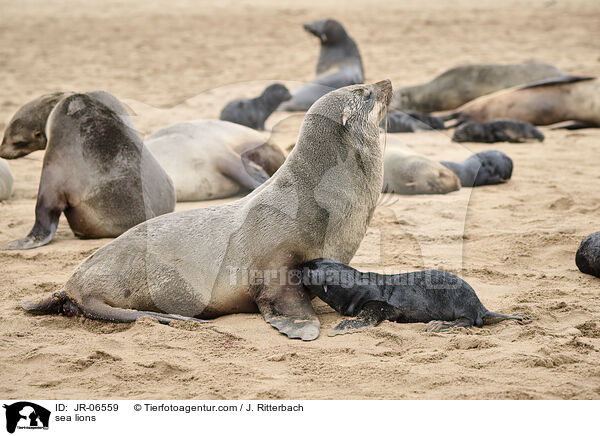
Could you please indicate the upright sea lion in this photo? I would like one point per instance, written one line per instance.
(567, 98)
(587, 258)
(406, 172)
(464, 83)
(26, 131)
(253, 112)
(488, 167)
(235, 257)
(6, 180)
(439, 298)
(98, 172)
(339, 65)
(214, 159)
(502, 130)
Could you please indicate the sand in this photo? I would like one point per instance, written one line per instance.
(514, 243)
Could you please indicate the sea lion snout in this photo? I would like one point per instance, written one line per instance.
(384, 88)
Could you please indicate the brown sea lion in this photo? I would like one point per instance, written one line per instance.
(98, 172)
(464, 83)
(567, 98)
(235, 257)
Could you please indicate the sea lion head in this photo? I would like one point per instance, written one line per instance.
(356, 111)
(331, 281)
(423, 176)
(496, 167)
(276, 93)
(403, 99)
(26, 130)
(329, 31)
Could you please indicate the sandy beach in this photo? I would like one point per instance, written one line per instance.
(515, 243)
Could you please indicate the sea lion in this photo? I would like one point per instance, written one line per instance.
(441, 299)
(253, 112)
(98, 172)
(339, 65)
(406, 172)
(502, 130)
(587, 258)
(26, 131)
(464, 83)
(566, 98)
(489, 167)
(235, 257)
(411, 121)
(6, 180)
(210, 159)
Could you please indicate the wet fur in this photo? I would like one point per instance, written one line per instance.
(587, 257)
(421, 296)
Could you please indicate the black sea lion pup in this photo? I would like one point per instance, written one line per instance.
(436, 297)
(253, 112)
(410, 121)
(502, 130)
(339, 65)
(587, 258)
(200, 263)
(98, 172)
(489, 167)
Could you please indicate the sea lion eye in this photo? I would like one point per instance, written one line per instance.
(369, 95)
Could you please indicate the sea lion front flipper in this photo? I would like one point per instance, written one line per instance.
(371, 315)
(48, 208)
(574, 125)
(242, 170)
(289, 310)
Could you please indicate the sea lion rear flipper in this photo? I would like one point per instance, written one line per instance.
(560, 80)
(289, 310)
(493, 318)
(445, 326)
(96, 309)
(574, 125)
(241, 169)
(371, 315)
(62, 303)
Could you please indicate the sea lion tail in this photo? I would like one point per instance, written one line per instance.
(494, 317)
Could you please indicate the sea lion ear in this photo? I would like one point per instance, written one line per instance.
(345, 115)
